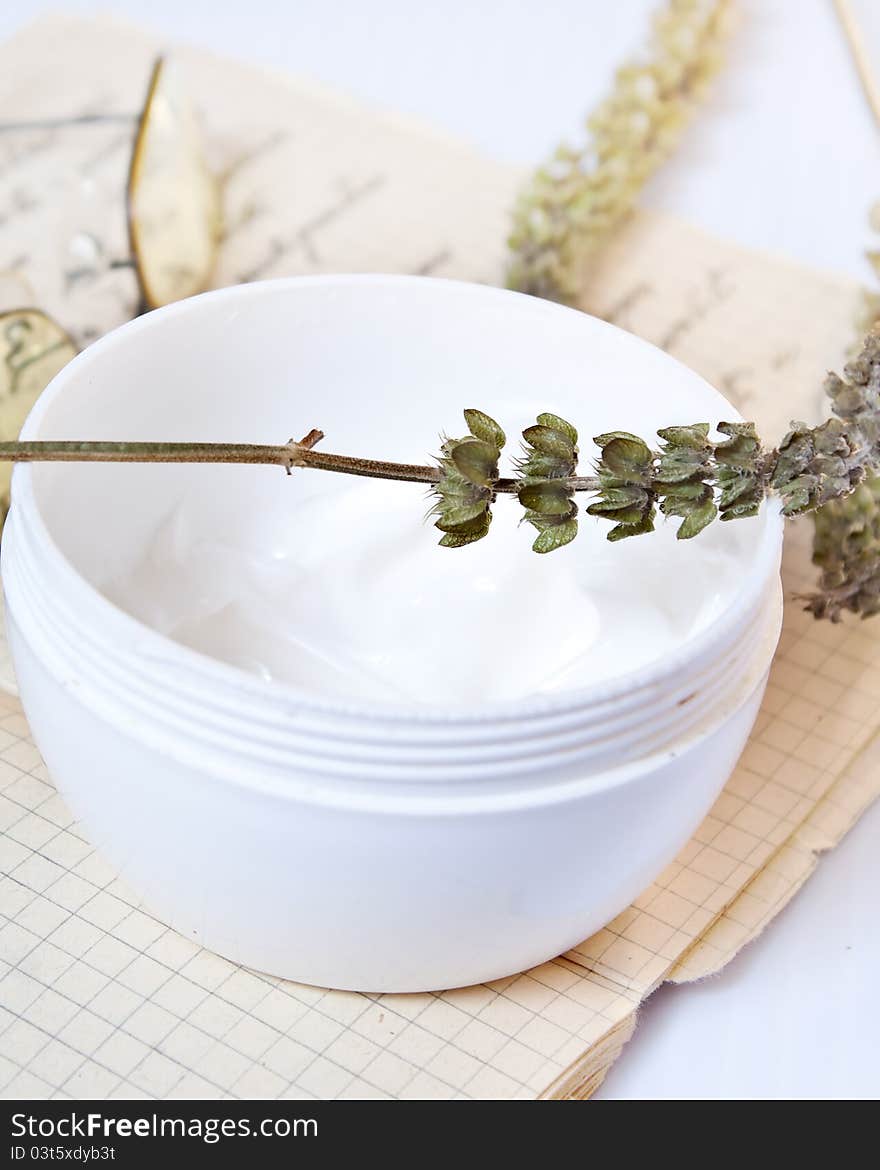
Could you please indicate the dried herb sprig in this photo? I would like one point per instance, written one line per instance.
(690, 476)
(573, 204)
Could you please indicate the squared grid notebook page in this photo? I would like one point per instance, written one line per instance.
(97, 998)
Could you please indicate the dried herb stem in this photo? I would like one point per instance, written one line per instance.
(289, 455)
(74, 451)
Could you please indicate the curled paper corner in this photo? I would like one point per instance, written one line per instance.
(738, 924)
(787, 870)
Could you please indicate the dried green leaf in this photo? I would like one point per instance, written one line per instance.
(604, 439)
(559, 424)
(797, 494)
(695, 435)
(455, 515)
(536, 466)
(734, 487)
(626, 457)
(547, 498)
(476, 460)
(467, 533)
(697, 519)
(748, 506)
(481, 426)
(623, 531)
(555, 536)
(549, 441)
(743, 447)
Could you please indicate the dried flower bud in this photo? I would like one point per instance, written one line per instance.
(684, 476)
(740, 473)
(815, 465)
(465, 490)
(626, 473)
(549, 459)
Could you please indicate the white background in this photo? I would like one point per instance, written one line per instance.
(786, 157)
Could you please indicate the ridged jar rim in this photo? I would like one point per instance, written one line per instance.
(480, 796)
(164, 658)
(593, 738)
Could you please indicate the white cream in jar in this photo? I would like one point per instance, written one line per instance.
(350, 597)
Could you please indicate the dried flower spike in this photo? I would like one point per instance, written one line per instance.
(846, 544)
(846, 547)
(572, 205)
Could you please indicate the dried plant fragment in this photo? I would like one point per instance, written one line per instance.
(550, 456)
(33, 348)
(684, 478)
(741, 471)
(846, 548)
(174, 204)
(846, 544)
(628, 494)
(573, 204)
(465, 490)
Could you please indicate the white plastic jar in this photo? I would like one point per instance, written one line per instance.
(350, 843)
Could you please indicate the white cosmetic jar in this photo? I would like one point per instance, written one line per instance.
(348, 844)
